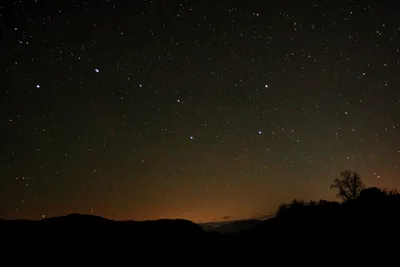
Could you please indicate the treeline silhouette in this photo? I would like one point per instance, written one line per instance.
(374, 212)
(362, 213)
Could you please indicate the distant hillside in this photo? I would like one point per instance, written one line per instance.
(230, 226)
(78, 226)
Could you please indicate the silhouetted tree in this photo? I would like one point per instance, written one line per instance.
(290, 209)
(372, 194)
(283, 210)
(296, 204)
(313, 203)
(349, 185)
(390, 192)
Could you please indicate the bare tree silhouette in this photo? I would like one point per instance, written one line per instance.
(349, 185)
(390, 192)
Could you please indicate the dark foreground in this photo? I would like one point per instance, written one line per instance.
(372, 219)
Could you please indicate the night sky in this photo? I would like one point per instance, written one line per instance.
(203, 110)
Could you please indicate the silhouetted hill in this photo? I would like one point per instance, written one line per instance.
(91, 228)
(230, 226)
(76, 218)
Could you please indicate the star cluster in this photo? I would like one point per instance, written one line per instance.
(193, 109)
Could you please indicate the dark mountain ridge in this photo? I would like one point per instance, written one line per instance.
(375, 214)
(91, 228)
